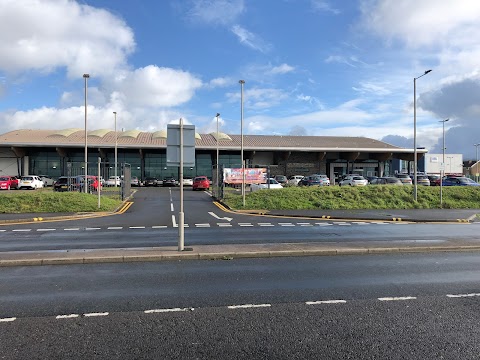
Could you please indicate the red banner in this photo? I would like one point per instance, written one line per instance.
(252, 176)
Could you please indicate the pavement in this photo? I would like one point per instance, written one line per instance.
(229, 252)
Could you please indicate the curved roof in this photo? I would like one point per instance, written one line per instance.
(65, 132)
(130, 133)
(100, 132)
(161, 134)
(220, 136)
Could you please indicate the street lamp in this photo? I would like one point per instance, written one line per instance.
(85, 183)
(476, 163)
(217, 116)
(242, 82)
(116, 145)
(415, 133)
(442, 169)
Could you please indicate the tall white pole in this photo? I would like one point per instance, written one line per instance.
(242, 82)
(218, 156)
(181, 216)
(85, 183)
(442, 170)
(476, 163)
(116, 145)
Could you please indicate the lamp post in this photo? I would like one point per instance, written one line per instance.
(116, 145)
(415, 134)
(476, 157)
(442, 169)
(218, 180)
(242, 82)
(85, 183)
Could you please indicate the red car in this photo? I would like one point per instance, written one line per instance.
(201, 183)
(8, 182)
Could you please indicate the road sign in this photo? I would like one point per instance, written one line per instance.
(173, 145)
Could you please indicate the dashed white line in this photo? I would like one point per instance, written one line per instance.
(286, 224)
(380, 223)
(159, 227)
(399, 298)
(72, 229)
(171, 208)
(22, 230)
(326, 302)
(323, 224)
(93, 228)
(305, 224)
(96, 314)
(71, 316)
(46, 229)
(462, 295)
(202, 225)
(115, 228)
(153, 311)
(245, 224)
(343, 223)
(8, 319)
(360, 223)
(3, 230)
(174, 222)
(265, 224)
(137, 227)
(224, 224)
(248, 306)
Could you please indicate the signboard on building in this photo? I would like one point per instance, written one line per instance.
(252, 175)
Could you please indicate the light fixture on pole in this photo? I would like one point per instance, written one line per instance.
(442, 168)
(218, 156)
(242, 82)
(85, 183)
(476, 163)
(415, 188)
(116, 145)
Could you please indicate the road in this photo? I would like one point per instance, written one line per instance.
(152, 221)
(415, 306)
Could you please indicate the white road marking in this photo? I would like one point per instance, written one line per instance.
(286, 224)
(400, 298)
(326, 302)
(171, 208)
(3, 230)
(245, 224)
(342, 223)
(72, 229)
(224, 224)
(323, 224)
(95, 228)
(265, 224)
(96, 314)
(202, 225)
(71, 316)
(220, 218)
(248, 306)
(174, 222)
(462, 295)
(400, 223)
(304, 224)
(360, 223)
(115, 228)
(380, 223)
(137, 227)
(24, 230)
(46, 229)
(8, 319)
(153, 311)
(159, 227)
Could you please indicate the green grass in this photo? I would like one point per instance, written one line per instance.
(368, 197)
(38, 201)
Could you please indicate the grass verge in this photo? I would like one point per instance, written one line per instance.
(38, 201)
(368, 197)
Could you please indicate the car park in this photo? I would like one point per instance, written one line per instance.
(311, 180)
(113, 181)
(151, 181)
(405, 179)
(200, 183)
(353, 180)
(32, 182)
(294, 179)
(281, 179)
(270, 184)
(8, 182)
(47, 180)
(386, 180)
(169, 181)
(458, 181)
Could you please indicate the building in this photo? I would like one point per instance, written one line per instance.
(431, 163)
(54, 152)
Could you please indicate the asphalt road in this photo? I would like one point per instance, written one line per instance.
(416, 306)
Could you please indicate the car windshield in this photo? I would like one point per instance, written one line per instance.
(273, 181)
(358, 178)
(4, 178)
(28, 178)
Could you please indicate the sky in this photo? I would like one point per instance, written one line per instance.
(311, 67)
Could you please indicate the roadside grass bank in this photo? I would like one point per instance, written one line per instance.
(352, 198)
(38, 201)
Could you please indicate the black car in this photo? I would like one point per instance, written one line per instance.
(170, 181)
(151, 181)
(65, 183)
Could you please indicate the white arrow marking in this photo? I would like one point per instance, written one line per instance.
(220, 218)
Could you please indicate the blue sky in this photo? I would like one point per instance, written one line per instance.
(311, 67)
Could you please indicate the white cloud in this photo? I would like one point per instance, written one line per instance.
(45, 35)
(282, 69)
(223, 12)
(322, 5)
(259, 98)
(220, 82)
(250, 39)
(372, 88)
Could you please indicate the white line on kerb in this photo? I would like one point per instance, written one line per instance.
(71, 316)
(462, 295)
(326, 302)
(248, 306)
(400, 298)
(153, 311)
(96, 314)
(8, 319)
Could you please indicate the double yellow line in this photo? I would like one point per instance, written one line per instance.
(125, 207)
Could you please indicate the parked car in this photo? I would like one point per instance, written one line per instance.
(134, 181)
(7, 182)
(271, 184)
(282, 179)
(311, 180)
(66, 183)
(187, 181)
(386, 180)
(151, 181)
(32, 182)
(422, 180)
(200, 183)
(371, 178)
(353, 180)
(459, 181)
(47, 180)
(405, 179)
(169, 181)
(434, 180)
(294, 179)
(113, 181)
(324, 178)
